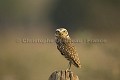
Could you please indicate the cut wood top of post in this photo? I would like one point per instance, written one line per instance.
(63, 75)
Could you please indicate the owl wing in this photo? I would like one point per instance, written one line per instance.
(71, 53)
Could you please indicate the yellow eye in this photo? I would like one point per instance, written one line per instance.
(64, 31)
(57, 32)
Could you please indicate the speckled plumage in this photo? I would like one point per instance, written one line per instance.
(66, 47)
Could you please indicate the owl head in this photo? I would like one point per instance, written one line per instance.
(61, 32)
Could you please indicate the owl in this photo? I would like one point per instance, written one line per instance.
(66, 47)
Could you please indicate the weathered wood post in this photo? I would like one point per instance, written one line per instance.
(63, 75)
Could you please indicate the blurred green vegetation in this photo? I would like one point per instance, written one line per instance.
(84, 19)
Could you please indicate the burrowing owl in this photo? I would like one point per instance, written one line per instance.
(66, 47)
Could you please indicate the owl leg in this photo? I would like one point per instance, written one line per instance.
(69, 65)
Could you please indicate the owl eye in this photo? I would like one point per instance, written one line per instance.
(57, 31)
(64, 31)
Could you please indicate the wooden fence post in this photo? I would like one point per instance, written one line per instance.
(63, 75)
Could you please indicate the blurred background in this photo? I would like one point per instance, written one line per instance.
(22, 22)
